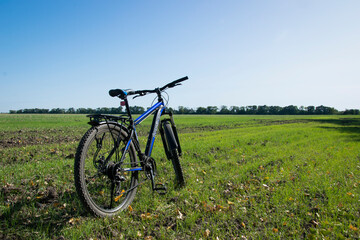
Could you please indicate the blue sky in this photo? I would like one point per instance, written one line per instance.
(236, 53)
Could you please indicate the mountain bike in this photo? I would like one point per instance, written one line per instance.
(109, 160)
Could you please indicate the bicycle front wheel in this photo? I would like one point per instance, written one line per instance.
(174, 155)
(101, 188)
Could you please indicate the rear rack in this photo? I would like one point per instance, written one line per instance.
(95, 119)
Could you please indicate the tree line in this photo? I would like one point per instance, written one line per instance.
(248, 110)
(267, 110)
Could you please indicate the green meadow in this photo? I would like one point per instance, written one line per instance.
(247, 177)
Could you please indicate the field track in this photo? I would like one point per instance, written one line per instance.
(248, 177)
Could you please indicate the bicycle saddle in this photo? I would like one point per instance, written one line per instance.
(119, 93)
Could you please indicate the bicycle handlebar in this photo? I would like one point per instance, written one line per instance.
(174, 83)
(122, 93)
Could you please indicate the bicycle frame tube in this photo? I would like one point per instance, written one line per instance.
(158, 109)
(147, 113)
(153, 131)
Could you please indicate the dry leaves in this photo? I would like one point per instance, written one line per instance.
(216, 207)
(207, 233)
(130, 208)
(74, 221)
(353, 228)
(243, 225)
(148, 216)
(230, 203)
(179, 215)
(118, 197)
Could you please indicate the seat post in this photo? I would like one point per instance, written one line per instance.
(127, 108)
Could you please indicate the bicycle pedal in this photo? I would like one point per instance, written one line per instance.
(160, 188)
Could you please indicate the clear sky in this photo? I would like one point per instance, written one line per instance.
(236, 53)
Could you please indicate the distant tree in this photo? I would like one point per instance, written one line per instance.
(302, 110)
(263, 110)
(234, 110)
(242, 110)
(33, 110)
(290, 110)
(333, 111)
(185, 110)
(224, 110)
(274, 110)
(310, 110)
(351, 112)
(211, 110)
(181, 110)
(323, 110)
(251, 109)
(90, 111)
(103, 110)
(189, 111)
(201, 110)
(137, 110)
(57, 110)
(27, 111)
(81, 111)
(320, 110)
(71, 111)
(115, 110)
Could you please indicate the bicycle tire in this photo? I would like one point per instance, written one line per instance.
(180, 180)
(179, 176)
(97, 192)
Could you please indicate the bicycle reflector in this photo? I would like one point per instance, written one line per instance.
(122, 103)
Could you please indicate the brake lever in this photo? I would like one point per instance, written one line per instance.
(174, 85)
(139, 95)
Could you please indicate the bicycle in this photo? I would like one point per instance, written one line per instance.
(108, 159)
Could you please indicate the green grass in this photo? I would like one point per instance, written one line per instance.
(254, 177)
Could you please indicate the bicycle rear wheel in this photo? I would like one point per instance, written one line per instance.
(103, 190)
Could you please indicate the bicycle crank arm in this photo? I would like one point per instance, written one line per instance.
(158, 187)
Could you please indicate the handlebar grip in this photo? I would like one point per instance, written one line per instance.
(182, 79)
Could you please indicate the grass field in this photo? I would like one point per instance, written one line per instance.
(248, 177)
